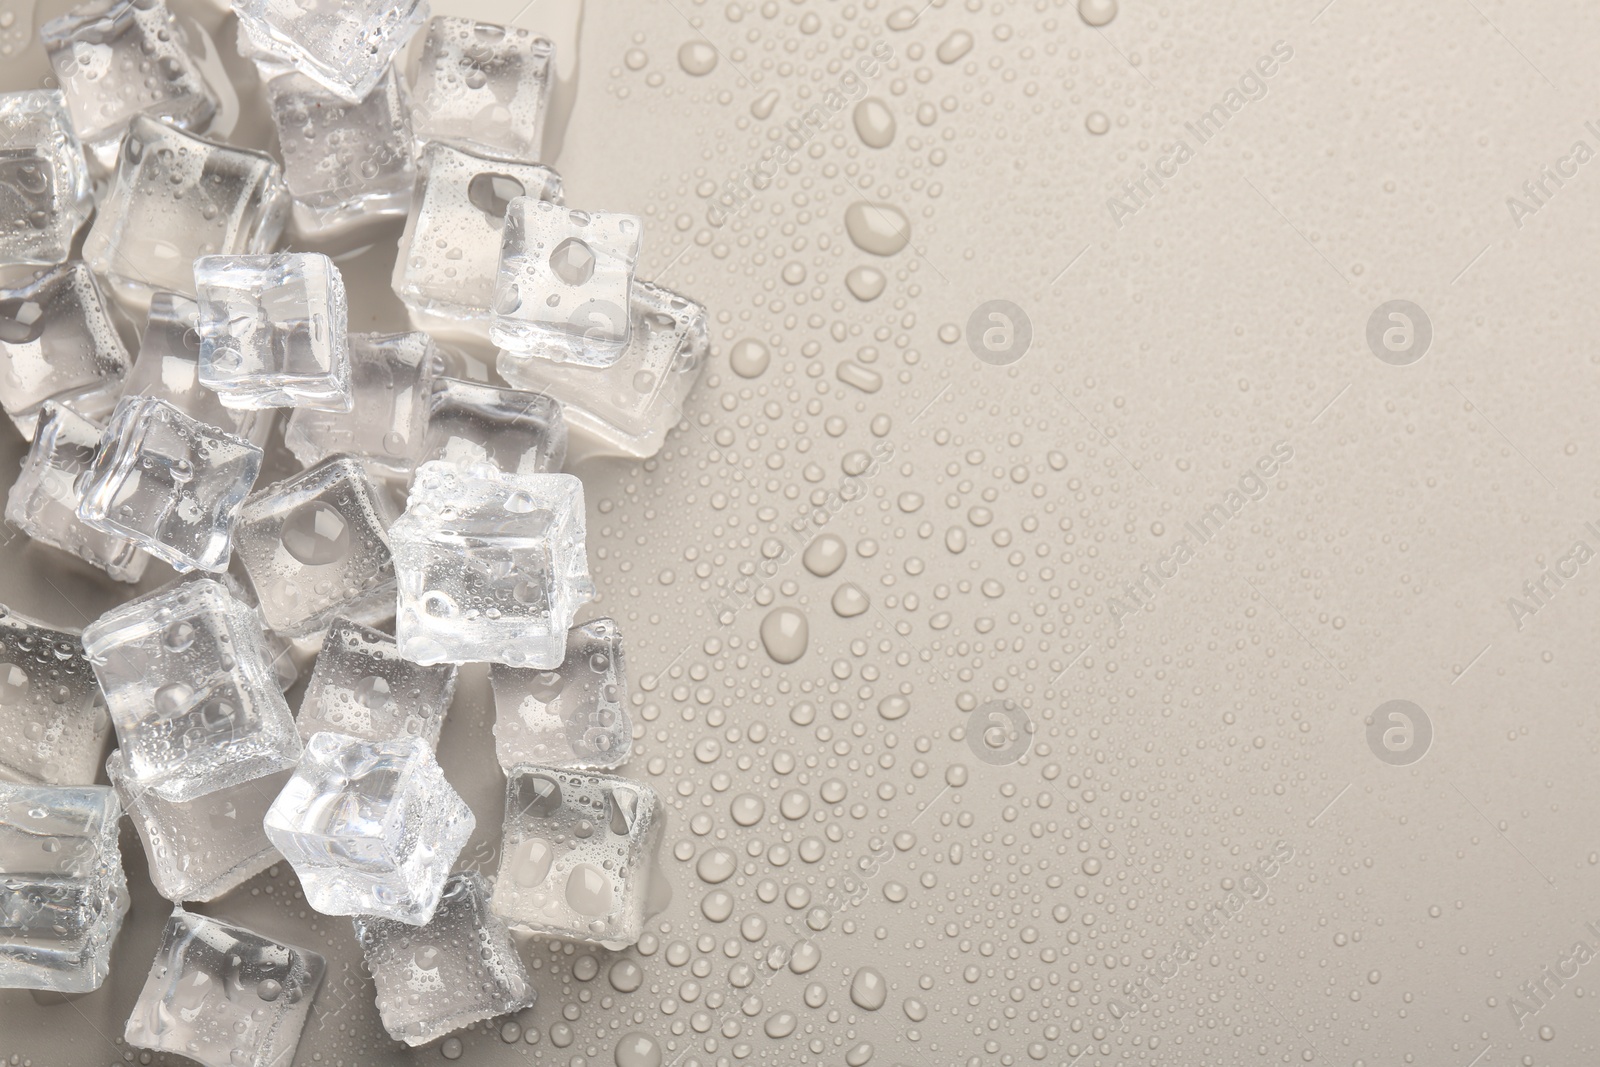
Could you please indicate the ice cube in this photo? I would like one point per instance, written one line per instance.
(371, 827)
(202, 848)
(343, 45)
(630, 405)
(344, 163)
(315, 545)
(490, 566)
(564, 280)
(120, 58)
(514, 431)
(191, 693)
(457, 970)
(169, 482)
(44, 184)
(44, 499)
(272, 331)
(573, 716)
(223, 995)
(361, 686)
(576, 853)
(168, 366)
(53, 722)
(445, 268)
(57, 341)
(62, 890)
(482, 87)
(175, 197)
(391, 376)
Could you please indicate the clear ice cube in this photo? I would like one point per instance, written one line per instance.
(223, 995)
(191, 692)
(53, 722)
(564, 280)
(58, 341)
(491, 566)
(119, 58)
(371, 827)
(44, 183)
(363, 687)
(630, 405)
(175, 197)
(444, 271)
(576, 853)
(168, 366)
(316, 545)
(457, 970)
(508, 429)
(391, 377)
(172, 484)
(574, 716)
(482, 87)
(272, 331)
(62, 890)
(344, 163)
(343, 45)
(44, 499)
(202, 848)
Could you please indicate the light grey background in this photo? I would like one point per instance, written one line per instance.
(1169, 353)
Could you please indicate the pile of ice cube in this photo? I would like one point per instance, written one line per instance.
(434, 501)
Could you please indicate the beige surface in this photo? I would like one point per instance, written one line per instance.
(1174, 344)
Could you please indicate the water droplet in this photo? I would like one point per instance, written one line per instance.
(785, 634)
(316, 534)
(1097, 12)
(881, 229)
(749, 358)
(868, 990)
(589, 891)
(697, 58)
(874, 123)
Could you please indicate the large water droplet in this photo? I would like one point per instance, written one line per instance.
(316, 534)
(881, 229)
(868, 990)
(589, 891)
(785, 634)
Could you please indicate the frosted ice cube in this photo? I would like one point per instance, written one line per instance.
(223, 995)
(344, 163)
(175, 197)
(44, 184)
(168, 366)
(490, 566)
(172, 484)
(445, 268)
(391, 376)
(482, 87)
(315, 545)
(563, 286)
(44, 499)
(361, 686)
(630, 405)
(343, 45)
(515, 431)
(575, 855)
(458, 969)
(120, 58)
(574, 716)
(57, 341)
(371, 827)
(272, 331)
(62, 890)
(53, 719)
(202, 848)
(190, 690)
